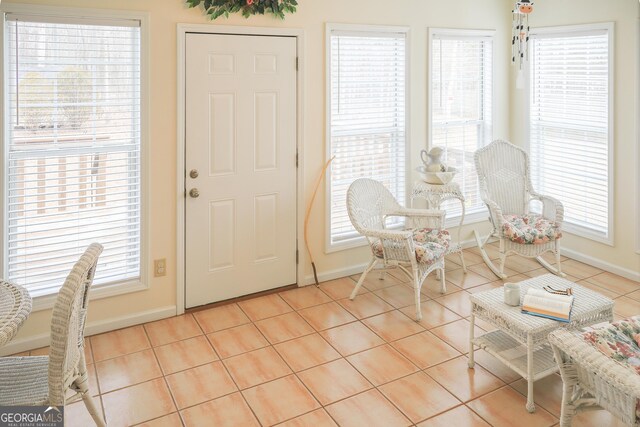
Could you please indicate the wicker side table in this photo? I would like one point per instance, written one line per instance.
(520, 341)
(436, 194)
(15, 306)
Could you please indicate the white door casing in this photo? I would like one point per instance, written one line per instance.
(240, 116)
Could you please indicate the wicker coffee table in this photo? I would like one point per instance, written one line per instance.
(521, 339)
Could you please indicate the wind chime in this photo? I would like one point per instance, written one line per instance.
(520, 37)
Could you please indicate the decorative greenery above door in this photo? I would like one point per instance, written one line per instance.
(217, 8)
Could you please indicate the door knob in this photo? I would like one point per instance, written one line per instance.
(194, 173)
(194, 193)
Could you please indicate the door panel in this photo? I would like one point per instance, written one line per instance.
(241, 138)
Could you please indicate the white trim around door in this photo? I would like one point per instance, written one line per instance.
(182, 31)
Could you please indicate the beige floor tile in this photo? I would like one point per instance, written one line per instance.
(456, 334)
(173, 329)
(127, 370)
(77, 415)
(304, 297)
(470, 258)
(431, 287)
(227, 411)
(197, 385)
(137, 404)
(238, 340)
(88, 353)
(521, 264)
(119, 343)
(485, 271)
(42, 351)
(433, 314)
(263, 307)
(340, 288)
(542, 271)
(171, 420)
(496, 367)
(219, 318)
(393, 325)
(186, 354)
(317, 418)
(366, 305)
(280, 400)
(607, 293)
(306, 352)
(351, 338)
(375, 280)
(369, 409)
(425, 350)
(492, 251)
(579, 269)
(256, 367)
(334, 381)
(382, 364)
(501, 407)
(284, 327)
(615, 283)
(600, 418)
(462, 382)
(634, 295)
(458, 302)
(467, 280)
(460, 416)
(547, 393)
(419, 397)
(626, 307)
(489, 286)
(399, 296)
(326, 316)
(550, 257)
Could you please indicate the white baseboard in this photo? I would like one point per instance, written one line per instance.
(603, 265)
(92, 328)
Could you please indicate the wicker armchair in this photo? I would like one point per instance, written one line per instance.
(44, 380)
(506, 189)
(417, 250)
(592, 380)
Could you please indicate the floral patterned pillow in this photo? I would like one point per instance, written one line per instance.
(618, 340)
(530, 229)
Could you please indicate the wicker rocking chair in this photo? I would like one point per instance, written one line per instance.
(506, 189)
(417, 250)
(44, 380)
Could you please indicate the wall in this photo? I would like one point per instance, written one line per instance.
(160, 299)
(622, 257)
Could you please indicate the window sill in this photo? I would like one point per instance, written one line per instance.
(576, 230)
(46, 302)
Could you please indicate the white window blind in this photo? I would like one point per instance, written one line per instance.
(461, 107)
(368, 78)
(569, 125)
(73, 153)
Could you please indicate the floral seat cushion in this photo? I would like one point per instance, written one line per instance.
(619, 341)
(530, 229)
(431, 244)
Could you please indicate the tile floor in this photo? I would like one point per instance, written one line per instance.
(311, 357)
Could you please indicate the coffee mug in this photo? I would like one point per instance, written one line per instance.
(512, 294)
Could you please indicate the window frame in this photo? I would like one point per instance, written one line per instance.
(563, 31)
(372, 30)
(481, 214)
(60, 14)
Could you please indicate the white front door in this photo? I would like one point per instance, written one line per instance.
(241, 157)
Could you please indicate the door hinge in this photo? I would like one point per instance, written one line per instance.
(297, 256)
(296, 159)
(297, 64)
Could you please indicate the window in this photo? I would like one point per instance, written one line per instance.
(73, 148)
(570, 124)
(461, 94)
(367, 130)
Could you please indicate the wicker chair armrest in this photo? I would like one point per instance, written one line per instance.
(591, 359)
(422, 218)
(496, 213)
(398, 235)
(551, 207)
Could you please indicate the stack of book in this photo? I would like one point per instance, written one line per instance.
(538, 302)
